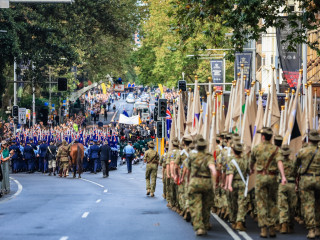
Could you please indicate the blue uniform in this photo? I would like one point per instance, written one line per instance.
(43, 164)
(94, 156)
(129, 153)
(29, 156)
(15, 157)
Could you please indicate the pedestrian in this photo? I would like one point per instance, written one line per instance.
(309, 160)
(94, 155)
(105, 158)
(202, 168)
(265, 157)
(129, 154)
(51, 158)
(5, 159)
(43, 163)
(29, 157)
(151, 158)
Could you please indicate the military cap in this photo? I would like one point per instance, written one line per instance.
(187, 138)
(285, 149)
(151, 144)
(201, 142)
(223, 134)
(236, 135)
(278, 138)
(229, 136)
(265, 131)
(314, 135)
(175, 142)
(218, 135)
(237, 147)
(236, 138)
(64, 142)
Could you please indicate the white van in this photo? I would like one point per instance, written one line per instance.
(142, 109)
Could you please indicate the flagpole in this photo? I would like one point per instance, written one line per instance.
(234, 88)
(271, 100)
(245, 115)
(242, 79)
(314, 110)
(267, 108)
(212, 132)
(281, 120)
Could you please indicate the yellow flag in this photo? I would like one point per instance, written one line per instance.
(161, 88)
(104, 88)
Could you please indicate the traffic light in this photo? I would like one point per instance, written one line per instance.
(159, 130)
(155, 112)
(182, 85)
(162, 108)
(15, 111)
(62, 84)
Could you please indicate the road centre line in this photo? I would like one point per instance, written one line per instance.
(106, 190)
(245, 235)
(99, 200)
(226, 227)
(92, 182)
(64, 238)
(85, 215)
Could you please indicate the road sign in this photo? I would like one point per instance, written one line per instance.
(22, 116)
(4, 3)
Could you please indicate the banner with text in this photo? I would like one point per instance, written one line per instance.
(245, 59)
(217, 71)
(290, 61)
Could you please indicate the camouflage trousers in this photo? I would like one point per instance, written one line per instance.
(200, 202)
(287, 202)
(151, 174)
(168, 189)
(310, 200)
(238, 207)
(266, 191)
(173, 193)
(181, 195)
(164, 182)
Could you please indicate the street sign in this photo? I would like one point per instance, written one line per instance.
(22, 116)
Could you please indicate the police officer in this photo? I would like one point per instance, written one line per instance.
(94, 155)
(151, 157)
(201, 167)
(264, 155)
(309, 160)
(29, 157)
(105, 158)
(43, 164)
(15, 158)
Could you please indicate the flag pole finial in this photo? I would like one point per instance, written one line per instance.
(282, 107)
(242, 65)
(196, 77)
(190, 90)
(209, 79)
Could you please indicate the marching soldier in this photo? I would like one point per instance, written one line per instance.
(151, 157)
(201, 167)
(162, 163)
(237, 171)
(309, 159)
(264, 155)
(287, 198)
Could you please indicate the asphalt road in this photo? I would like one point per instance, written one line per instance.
(98, 208)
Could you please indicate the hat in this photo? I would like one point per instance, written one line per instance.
(175, 142)
(223, 134)
(265, 131)
(229, 135)
(314, 135)
(4, 142)
(237, 147)
(64, 142)
(187, 138)
(236, 138)
(151, 144)
(218, 135)
(201, 142)
(285, 149)
(278, 138)
(95, 140)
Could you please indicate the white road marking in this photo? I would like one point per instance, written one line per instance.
(99, 200)
(85, 215)
(245, 235)
(226, 227)
(106, 190)
(16, 194)
(92, 182)
(64, 238)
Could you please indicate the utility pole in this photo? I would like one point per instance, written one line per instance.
(50, 111)
(33, 103)
(15, 92)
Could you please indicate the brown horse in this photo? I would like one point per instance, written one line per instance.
(76, 156)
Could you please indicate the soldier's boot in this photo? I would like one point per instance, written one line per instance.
(218, 212)
(148, 192)
(277, 227)
(272, 232)
(174, 209)
(264, 232)
(311, 234)
(213, 209)
(169, 205)
(284, 228)
(182, 213)
(188, 216)
(201, 232)
(178, 210)
(317, 232)
(50, 170)
(164, 196)
(223, 211)
(54, 171)
(226, 215)
(290, 228)
(65, 173)
(208, 227)
(240, 226)
(233, 226)
(152, 194)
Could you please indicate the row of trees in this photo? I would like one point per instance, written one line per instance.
(174, 29)
(94, 35)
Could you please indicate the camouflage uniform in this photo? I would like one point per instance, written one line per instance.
(266, 186)
(162, 163)
(238, 200)
(287, 198)
(151, 157)
(310, 185)
(172, 187)
(62, 155)
(200, 189)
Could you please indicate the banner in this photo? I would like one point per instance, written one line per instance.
(290, 62)
(129, 120)
(161, 88)
(217, 72)
(245, 59)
